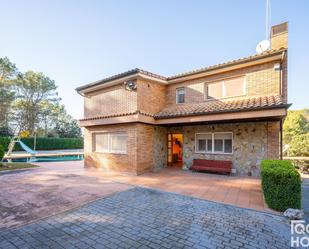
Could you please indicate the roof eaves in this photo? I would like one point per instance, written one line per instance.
(166, 79)
(222, 111)
(105, 80)
(228, 63)
(121, 75)
(117, 115)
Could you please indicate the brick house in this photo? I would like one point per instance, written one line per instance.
(138, 121)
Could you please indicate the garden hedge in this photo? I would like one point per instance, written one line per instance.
(46, 143)
(281, 184)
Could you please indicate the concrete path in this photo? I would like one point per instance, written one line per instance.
(144, 218)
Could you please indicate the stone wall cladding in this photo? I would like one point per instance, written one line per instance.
(159, 147)
(147, 146)
(249, 145)
(126, 163)
(260, 80)
(99, 102)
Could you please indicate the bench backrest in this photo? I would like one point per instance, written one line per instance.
(212, 163)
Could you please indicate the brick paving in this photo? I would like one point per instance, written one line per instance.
(144, 218)
(32, 194)
(239, 191)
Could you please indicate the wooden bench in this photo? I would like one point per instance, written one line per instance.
(217, 166)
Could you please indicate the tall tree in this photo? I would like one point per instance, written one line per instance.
(35, 94)
(68, 127)
(8, 72)
(296, 123)
(296, 133)
(57, 122)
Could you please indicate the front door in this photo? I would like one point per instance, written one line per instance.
(174, 149)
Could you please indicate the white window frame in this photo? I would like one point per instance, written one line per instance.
(184, 93)
(109, 139)
(122, 134)
(244, 90)
(213, 143)
(94, 144)
(196, 142)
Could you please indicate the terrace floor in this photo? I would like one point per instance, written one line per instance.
(239, 191)
(55, 187)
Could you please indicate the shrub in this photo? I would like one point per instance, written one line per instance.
(281, 184)
(46, 143)
(1, 152)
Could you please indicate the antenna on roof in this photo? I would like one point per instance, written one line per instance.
(264, 45)
(267, 19)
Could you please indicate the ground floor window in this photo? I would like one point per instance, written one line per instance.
(216, 143)
(110, 142)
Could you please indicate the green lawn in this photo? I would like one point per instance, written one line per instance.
(12, 166)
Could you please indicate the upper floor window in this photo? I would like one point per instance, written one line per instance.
(226, 88)
(214, 90)
(110, 142)
(180, 95)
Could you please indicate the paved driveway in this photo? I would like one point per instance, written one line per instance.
(144, 218)
(305, 196)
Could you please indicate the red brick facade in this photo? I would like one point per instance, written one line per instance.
(114, 108)
(99, 102)
(139, 156)
(273, 140)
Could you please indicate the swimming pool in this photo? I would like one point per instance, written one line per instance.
(59, 158)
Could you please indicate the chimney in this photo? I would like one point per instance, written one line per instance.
(279, 36)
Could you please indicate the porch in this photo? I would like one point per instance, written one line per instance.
(245, 144)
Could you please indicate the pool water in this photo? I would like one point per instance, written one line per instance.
(51, 159)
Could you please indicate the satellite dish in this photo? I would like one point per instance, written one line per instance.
(263, 46)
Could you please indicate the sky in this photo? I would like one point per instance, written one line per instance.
(76, 42)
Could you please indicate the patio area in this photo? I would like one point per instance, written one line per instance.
(55, 187)
(239, 191)
(234, 190)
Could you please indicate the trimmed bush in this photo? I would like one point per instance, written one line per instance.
(281, 184)
(1, 152)
(46, 143)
